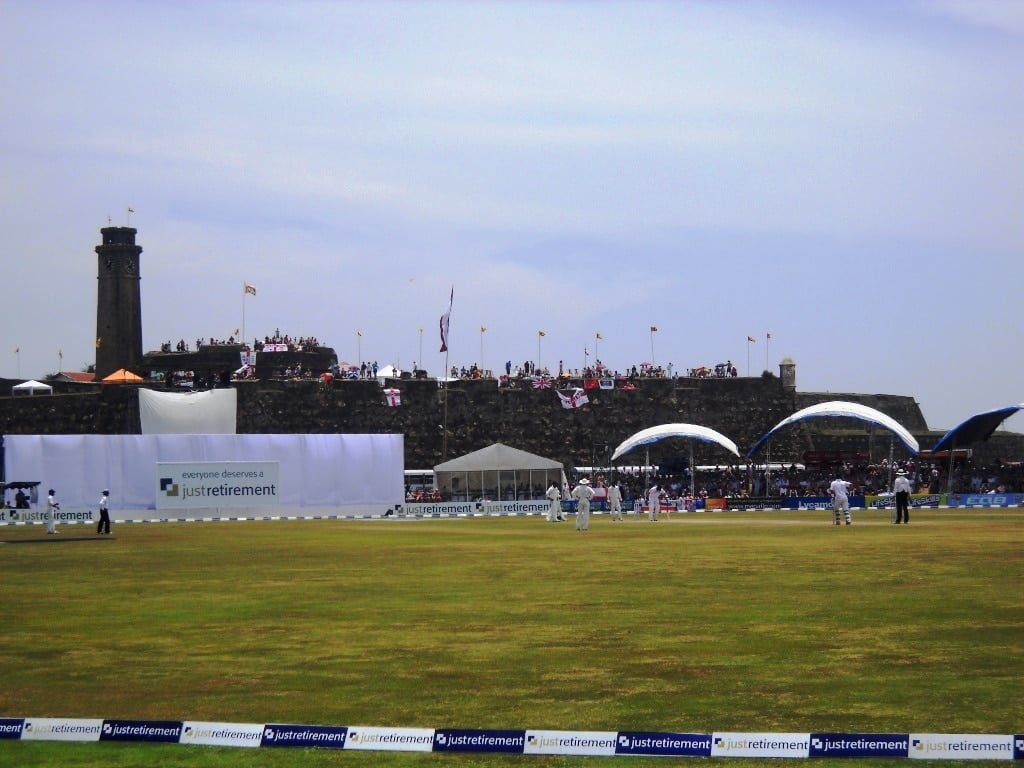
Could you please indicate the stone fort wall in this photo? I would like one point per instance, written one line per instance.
(478, 413)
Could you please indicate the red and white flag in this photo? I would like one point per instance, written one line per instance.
(444, 322)
(577, 399)
(393, 396)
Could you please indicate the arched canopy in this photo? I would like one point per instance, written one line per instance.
(976, 429)
(664, 431)
(847, 410)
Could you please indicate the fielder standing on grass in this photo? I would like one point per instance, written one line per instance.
(615, 501)
(104, 526)
(52, 505)
(554, 495)
(583, 493)
(653, 503)
(840, 501)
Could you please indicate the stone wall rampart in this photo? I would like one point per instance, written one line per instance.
(478, 413)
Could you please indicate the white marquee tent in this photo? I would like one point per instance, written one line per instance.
(498, 473)
(31, 387)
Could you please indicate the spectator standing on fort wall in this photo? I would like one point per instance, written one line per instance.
(52, 505)
(554, 495)
(104, 524)
(583, 493)
(901, 488)
(653, 503)
(615, 501)
(840, 501)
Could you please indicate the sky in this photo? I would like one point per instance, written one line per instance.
(846, 177)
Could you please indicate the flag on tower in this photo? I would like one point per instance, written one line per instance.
(250, 289)
(751, 338)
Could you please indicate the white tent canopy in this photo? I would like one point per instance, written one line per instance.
(388, 372)
(689, 432)
(31, 387)
(665, 431)
(499, 473)
(838, 408)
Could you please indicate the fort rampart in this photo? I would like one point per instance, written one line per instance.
(442, 422)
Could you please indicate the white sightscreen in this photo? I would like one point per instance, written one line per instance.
(315, 470)
(188, 413)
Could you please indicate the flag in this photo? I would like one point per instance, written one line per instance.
(250, 289)
(768, 335)
(99, 342)
(654, 329)
(751, 338)
(606, 383)
(541, 333)
(130, 209)
(359, 333)
(577, 399)
(540, 382)
(483, 328)
(444, 321)
(17, 350)
(591, 384)
(598, 336)
(237, 331)
(393, 396)
(60, 354)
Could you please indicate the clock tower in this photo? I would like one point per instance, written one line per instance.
(118, 302)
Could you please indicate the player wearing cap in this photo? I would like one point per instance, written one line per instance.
(901, 487)
(104, 526)
(583, 493)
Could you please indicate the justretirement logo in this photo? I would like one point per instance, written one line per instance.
(204, 485)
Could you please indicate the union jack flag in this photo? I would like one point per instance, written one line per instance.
(541, 382)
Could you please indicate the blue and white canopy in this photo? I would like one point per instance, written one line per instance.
(838, 408)
(976, 429)
(665, 431)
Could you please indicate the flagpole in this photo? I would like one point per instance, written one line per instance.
(444, 324)
(420, 364)
(483, 328)
(654, 330)
(444, 391)
(244, 294)
(748, 356)
(597, 338)
(17, 354)
(540, 335)
(767, 343)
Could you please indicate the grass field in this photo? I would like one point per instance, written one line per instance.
(772, 621)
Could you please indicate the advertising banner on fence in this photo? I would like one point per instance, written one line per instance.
(986, 499)
(216, 484)
(917, 500)
(819, 502)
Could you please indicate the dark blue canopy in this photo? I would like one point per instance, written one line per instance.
(976, 429)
